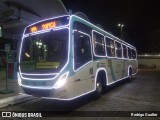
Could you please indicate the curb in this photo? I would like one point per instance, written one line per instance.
(14, 100)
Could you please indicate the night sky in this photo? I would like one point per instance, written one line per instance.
(140, 18)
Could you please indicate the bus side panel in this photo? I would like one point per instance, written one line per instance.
(84, 80)
(126, 68)
(65, 92)
(134, 65)
(110, 72)
(114, 70)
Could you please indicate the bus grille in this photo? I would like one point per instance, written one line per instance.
(38, 76)
(35, 83)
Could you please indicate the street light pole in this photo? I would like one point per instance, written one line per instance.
(121, 26)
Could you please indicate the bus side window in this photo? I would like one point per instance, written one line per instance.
(124, 51)
(129, 53)
(134, 54)
(110, 47)
(99, 44)
(118, 50)
(82, 49)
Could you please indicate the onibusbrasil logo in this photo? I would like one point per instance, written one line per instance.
(21, 114)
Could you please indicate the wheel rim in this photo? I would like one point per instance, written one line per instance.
(99, 87)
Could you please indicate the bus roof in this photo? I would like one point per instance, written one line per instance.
(87, 23)
(103, 31)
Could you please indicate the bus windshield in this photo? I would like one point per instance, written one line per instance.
(45, 52)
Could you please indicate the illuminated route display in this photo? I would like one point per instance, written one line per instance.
(48, 24)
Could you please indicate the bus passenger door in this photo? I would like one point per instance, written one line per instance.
(82, 63)
(117, 65)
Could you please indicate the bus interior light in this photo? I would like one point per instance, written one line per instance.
(61, 81)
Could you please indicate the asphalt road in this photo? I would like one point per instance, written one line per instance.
(140, 95)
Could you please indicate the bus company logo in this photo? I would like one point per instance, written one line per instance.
(6, 114)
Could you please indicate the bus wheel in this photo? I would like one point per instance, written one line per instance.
(98, 91)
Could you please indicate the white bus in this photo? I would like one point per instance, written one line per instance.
(67, 57)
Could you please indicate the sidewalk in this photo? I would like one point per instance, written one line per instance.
(11, 98)
(12, 85)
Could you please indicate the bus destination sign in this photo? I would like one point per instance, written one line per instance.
(48, 24)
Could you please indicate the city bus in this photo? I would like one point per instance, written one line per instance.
(67, 57)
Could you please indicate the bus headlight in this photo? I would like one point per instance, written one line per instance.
(61, 81)
(19, 79)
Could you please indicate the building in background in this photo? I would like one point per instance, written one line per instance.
(154, 42)
(149, 61)
(15, 15)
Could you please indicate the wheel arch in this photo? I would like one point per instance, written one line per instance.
(129, 69)
(102, 72)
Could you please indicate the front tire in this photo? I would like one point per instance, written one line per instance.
(98, 91)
